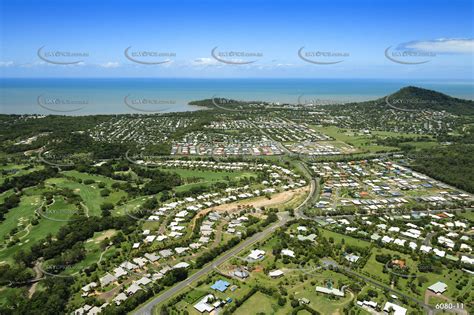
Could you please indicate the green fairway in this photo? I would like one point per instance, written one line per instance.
(93, 252)
(206, 177)
(6, 194)
(209, 175)
(90, 194)
(131, 205)
(22, 214)
(54, 217)
(84, 176)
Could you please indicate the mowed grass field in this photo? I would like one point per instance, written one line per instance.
(319, 301)
(55, 216)
(90, 194)
(260, 303)
(469, 215)
(206, 177)
(366, 142)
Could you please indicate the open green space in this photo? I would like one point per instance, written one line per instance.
(366, 142)
(260, 303)
(375, 269)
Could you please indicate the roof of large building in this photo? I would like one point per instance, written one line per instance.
(438, 287)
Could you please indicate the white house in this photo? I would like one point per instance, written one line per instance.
(276, 273)
(352, 258)
(151, 257)
(132, 289)
(397, 309)
(119, 272)
(107, 279)
(288, 252)
(332, 291)
(120, 298)
(203, 305)
(256, 254)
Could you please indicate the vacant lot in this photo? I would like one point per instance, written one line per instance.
(259, 303)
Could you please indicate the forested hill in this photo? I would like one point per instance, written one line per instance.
(416, 98)
(413, 98)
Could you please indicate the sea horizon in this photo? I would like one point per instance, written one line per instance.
(92, 96)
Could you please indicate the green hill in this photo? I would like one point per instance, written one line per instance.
(415, 98)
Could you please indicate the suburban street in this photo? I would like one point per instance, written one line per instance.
(148, 307)
(283, 218)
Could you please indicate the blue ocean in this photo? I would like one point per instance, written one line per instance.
(149, 95)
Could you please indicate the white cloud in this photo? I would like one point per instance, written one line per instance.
(444, 45)
(110, 64)
(4, 64)
(205, 62)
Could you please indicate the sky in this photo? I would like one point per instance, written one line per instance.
(238, 39)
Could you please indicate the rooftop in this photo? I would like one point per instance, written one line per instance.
(438, 287)
(220, 285)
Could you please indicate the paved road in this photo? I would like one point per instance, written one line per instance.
(283, 218)
(148, 307)
(427, 240)
(383, 286)
(299, 213)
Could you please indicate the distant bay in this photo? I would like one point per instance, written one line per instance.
(88, 96)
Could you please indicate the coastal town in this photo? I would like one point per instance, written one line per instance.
(277, 211)
(302, 157)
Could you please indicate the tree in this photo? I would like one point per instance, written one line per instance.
(281, 301)
(106, 207)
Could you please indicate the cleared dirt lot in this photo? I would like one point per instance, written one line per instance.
(276, 200)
